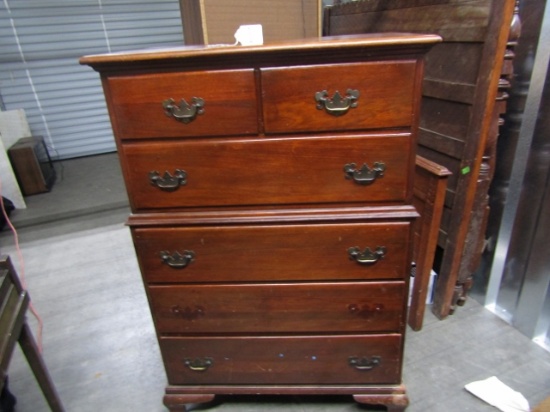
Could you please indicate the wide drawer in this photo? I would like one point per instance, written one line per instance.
(279, 308)
(372, 95)
(273, 252)
(283, 360)
(301, 170)
(228, 104)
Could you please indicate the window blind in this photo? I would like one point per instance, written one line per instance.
(40, 44)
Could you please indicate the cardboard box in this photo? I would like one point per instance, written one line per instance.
(216, 21)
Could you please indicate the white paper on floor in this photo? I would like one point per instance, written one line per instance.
(501, 396)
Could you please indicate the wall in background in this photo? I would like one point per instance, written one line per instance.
(41, 42)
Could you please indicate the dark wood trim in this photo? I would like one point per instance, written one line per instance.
(245, 216)
(429, 194)
(191, 18)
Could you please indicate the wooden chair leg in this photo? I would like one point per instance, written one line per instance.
(34, 358)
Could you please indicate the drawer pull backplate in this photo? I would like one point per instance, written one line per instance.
(198, 364)
(367, 257)
(168, 182)
(338, 105)
(365, 175)
(364, 363)
(184, 112)
(177, 260)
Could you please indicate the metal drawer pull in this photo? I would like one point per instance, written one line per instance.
(338, 105)
(184, 112)
(167, 182)
(198, 364)
(367, 257)
(365, 363)
(177, 260)
(365, 175)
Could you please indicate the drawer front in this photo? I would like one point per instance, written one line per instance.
(278, 308)
(273, 253)
(293, 98)
(228, 104)
(268, 171)
(283, 360)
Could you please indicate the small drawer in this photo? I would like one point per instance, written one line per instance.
(306, 360)
(297, 252)
(254, 172)
(338, 97)
(278, 308)
(225, 104)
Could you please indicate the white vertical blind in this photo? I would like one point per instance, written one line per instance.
(40, 44)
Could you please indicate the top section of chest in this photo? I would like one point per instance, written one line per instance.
(271, 89)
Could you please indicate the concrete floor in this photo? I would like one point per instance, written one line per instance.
(99, 343)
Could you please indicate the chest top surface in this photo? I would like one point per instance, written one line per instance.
(317, 50)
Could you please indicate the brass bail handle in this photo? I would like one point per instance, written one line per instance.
(177, 260)
(364, 363)
(184, 112)
(198, 364)
(338, 105)
(168, 182)
(367, 256)
(364, 175)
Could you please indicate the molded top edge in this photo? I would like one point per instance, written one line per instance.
(374, 40)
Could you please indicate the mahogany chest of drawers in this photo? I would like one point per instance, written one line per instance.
(271, 210)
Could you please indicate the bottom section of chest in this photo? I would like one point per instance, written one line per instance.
(292, 303)
(289, 360)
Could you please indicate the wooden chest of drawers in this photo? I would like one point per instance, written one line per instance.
(271, 196)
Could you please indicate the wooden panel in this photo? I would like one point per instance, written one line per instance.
(433, 141)
(268, 171)
(454, 62)
(447, 119)
(461, 20)
(385, 99)
(229, 104)
(461, 93)
(279, 308)
(464, 70)
(444, 226)
(282, 360)
(273, 252)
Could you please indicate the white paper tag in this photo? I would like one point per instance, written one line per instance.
(250, 35)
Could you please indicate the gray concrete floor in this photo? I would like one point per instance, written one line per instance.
(99, 343)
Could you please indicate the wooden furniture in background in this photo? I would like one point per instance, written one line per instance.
(32, 165)
(459, 118)
(14, 302)
(215, 21)
(430, 184)
(271, 190)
